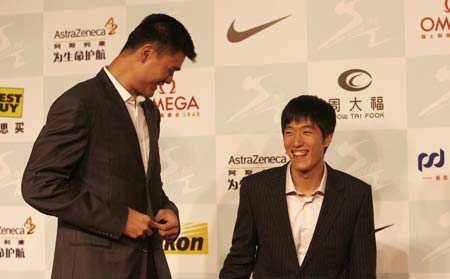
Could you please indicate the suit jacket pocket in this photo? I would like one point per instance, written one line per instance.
(88, 239)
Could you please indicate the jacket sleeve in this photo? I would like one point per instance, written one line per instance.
(47, 184)
(166, 203)
(362, 260)
(240, 261)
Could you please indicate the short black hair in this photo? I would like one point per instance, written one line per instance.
(310, 107)
(165, 32)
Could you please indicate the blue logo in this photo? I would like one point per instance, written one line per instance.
(428, 160)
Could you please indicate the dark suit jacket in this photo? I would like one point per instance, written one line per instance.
(86, 169)
(343, 244)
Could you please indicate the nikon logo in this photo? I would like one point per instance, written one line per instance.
(11, 102)
(193, 239)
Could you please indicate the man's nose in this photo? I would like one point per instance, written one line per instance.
(298, 139)
(169, 79)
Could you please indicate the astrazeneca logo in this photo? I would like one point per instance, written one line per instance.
(29, 225)
(172, 105)
(28, 228)
(110, 26)
(429, 160)
(240, 166)
(256, 159)
(193, 239)
(11, 102)
(355, 80)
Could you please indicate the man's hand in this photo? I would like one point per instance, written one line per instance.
(138, 225)
(166, 222)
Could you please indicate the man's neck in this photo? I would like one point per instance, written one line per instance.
(308, 182)
(121, 69)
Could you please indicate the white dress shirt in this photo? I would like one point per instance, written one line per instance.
(303, 212)
(134, 106)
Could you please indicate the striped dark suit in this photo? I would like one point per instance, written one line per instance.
(343, 244)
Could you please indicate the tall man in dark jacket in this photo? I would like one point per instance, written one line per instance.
(96, 165)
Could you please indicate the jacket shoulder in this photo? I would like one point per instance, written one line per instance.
(350, 182)
(86, 95)
(265, 177)
(85, 90)
(276, 171)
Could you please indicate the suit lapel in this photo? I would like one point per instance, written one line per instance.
(281, 210)
(153, 130)
(120, 115)
(152, 134)
(332, 201)
(159, 256)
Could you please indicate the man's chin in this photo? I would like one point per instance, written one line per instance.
(149, 94)
(299, 166)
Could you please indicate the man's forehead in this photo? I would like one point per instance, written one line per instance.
(302, 121)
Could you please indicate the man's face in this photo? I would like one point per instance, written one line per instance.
(305, 145)
(157, 70)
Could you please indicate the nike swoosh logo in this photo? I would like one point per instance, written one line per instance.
(382, 228)
(234, 36)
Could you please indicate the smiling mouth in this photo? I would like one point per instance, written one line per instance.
(299, 153)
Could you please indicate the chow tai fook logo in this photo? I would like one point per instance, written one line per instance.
(433, 160)
(82, 44)
(357, 106)
(12, 239)
(193, 240)
(240, 166)
(436, 27)
(173, 105)
(11, 107)
(355, 80)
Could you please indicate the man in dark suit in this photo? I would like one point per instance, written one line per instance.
(304, 219)
(96, 165)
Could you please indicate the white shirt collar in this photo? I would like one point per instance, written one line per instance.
(124, 94)
(290, 187)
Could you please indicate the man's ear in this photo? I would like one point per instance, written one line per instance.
(146, 52)
(327, 140)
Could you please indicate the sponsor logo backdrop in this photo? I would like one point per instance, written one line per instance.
(383, 65)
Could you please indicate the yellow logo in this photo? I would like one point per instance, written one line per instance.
(29, 225)
(111, 26)
(11, 102)
(193, 239)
